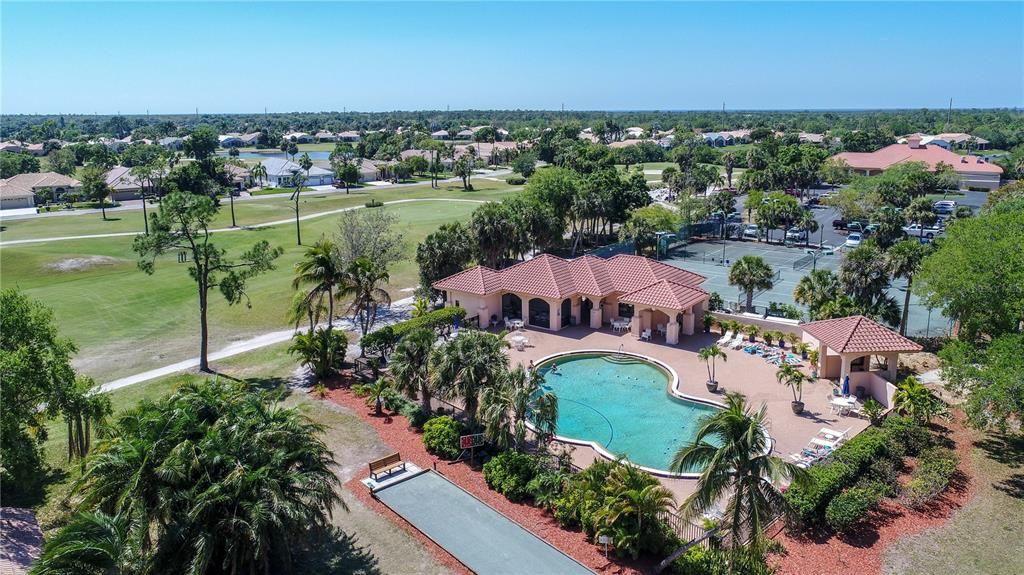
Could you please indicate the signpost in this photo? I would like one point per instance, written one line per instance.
(604, 540)
(470, 442)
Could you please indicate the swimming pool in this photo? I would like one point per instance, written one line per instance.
(622, 406)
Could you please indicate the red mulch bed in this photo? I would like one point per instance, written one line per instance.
(861, 552)
(395, 431)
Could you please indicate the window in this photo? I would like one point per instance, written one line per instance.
(625, 310)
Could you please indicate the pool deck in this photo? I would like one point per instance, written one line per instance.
(741, 372)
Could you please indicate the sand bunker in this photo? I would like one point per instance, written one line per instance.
(81, 264)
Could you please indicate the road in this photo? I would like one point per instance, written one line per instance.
(254, 226)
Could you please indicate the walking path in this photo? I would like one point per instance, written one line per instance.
(398, 311)
(254, 226)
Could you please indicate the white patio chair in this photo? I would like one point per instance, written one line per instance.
(725, 338)
(645, 335)
(661, 328)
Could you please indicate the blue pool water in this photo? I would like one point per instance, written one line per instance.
(623, 404)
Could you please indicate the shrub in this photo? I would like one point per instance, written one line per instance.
(437, 320)
(414, 413)
(547, 487)
(441, 437)
(510, 472)
(861, 451)
(874, 410)
(379, 342)
(849, 507)
(913, 436)
(702, 561)
(807, 502)
(515, 180)
(935, 469)
(374, 204)
(883, 474)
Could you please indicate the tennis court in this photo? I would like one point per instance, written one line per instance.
(482, 539)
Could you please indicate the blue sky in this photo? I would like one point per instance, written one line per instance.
(242, 57)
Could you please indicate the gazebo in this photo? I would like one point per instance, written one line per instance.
(845, 346)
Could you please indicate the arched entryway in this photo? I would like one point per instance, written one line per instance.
(586, 306)
(540, 313)
(511, 306)
(566, 312)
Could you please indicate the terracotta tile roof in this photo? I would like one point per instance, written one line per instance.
(930, 155)
(479, 280)
(666, 294)
(858, 334)
(556, 278)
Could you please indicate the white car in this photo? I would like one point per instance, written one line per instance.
(853, 240)
(944, 207)
(751, 231)
(918, 231)
(796, 235)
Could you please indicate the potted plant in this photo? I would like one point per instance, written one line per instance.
(708, 322)
(794, 379)
(768, 336)
(873, 411)
(753, 331)
(802, 348)
(794, 340)
(813, 356)
(708, 355)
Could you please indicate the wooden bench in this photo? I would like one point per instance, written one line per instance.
(386, 465)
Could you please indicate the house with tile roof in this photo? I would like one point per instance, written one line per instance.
(846, 347)
(19, 192)
(552, 293)
(974, 172)
(280, 172)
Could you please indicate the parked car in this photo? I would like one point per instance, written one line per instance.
(870, 230)
(751, 231)
(917, 230)
(734, 218)
(852, 225)
(853, 240)
(839, 224)
(796, 235)
(944, 207)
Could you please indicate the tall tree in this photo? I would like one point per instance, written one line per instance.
(751, 273)
(515, 398)
(318, 270)
(904, 259)
(643, 226)
(183, 224)
(362, 281)
(816, 289)
(298, 180)
(466, 365)
(305, 162)
(442, 253)
(410, 365)
(94, 186)
(735, 455)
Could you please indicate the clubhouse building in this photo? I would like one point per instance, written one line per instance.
(642, 295)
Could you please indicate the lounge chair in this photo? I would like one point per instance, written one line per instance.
(833, 435)
(725, 338)
(738, 341)
(645, 335)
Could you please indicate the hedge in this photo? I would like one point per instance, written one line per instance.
(808, 502)
(441, 437)
(515, 180)
(904, 431)
(935, 469)
(849, 507)
(437, 319)
(510, 473)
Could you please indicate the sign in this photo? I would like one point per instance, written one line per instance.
(471, 441)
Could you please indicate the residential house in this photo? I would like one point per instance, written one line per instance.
(172, 143)
(628, 143)
(427, 155)
(634, 133)
(349, 136)
(230, 140)
(486, 151)
(810, 138)
(502, 133)
(440, 135)
(718, 139)
(20, 191)
(12, 146)
(326, 137)
(36, 149)
(738, 136)
(281, 171)
(250, 140)
(241, 178)
(974, 172)
(369, 170)
(949, 140)
(299, 137)
(466, 134)
(123, 185)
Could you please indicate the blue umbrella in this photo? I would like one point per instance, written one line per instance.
(846, 385)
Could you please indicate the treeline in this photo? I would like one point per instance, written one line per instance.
(1004, 128)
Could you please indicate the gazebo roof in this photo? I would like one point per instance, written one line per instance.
(666, 294)
(858, 334)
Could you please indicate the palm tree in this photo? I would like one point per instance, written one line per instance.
(362, 280)
(815, 290)
(729, 161)
(92, 543)
(735, 454)
(144, 175)
(322, 351)
(863, 275)
(213, 477)
(794, 379)
(808, 224)
(920, 211)
(410, 365)
(378, 390)
(751, 273)
(420, 307)
(914, 399)
(708, 356)
(463, 367)
(507, 406)
(259, 171)
(318, 268)
(298, 180)
(305, 162)
(904, 259)
(633, 503)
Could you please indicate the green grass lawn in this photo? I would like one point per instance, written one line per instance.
(248, 212)
(269, 191)
(983, 538)
(124, 321)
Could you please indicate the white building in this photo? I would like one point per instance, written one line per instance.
(281, 171)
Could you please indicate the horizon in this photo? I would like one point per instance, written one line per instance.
(759, 56)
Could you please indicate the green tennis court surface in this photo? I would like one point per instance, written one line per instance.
(481, 538)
